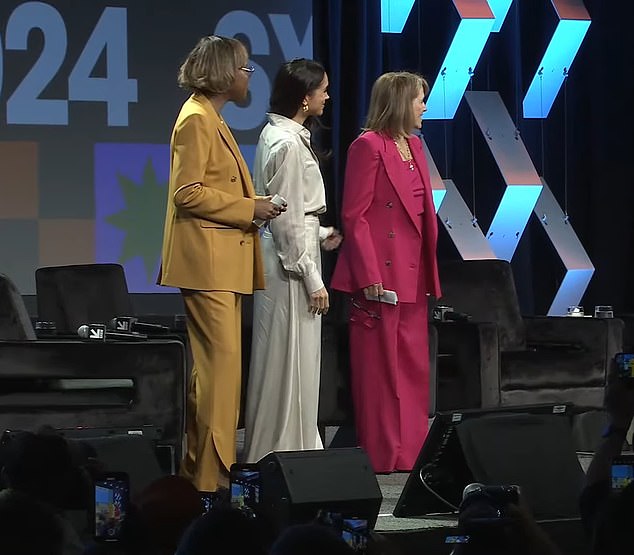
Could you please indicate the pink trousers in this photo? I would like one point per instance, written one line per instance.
(389, 362)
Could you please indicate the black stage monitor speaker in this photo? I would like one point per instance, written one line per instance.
(296, 485)
(529, 446)
(137, 452)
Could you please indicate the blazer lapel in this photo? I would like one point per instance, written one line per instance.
(227, 136)
(247, 183)
(391, 161)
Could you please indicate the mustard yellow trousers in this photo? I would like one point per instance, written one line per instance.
(213, 400)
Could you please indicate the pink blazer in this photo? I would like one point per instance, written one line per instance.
(383, 231)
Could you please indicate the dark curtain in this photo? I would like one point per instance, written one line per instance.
(602, 147)
(348, 42)
(584, 149)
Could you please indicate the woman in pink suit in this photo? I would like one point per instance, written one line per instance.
(390, 232)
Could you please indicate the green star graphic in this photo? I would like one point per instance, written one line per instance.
(142, 219)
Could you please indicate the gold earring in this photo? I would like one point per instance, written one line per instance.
(305, 106)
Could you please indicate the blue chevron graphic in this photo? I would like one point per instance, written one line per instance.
(571, 29)
(523, 185)
(525, 191)
(394, 14)
(499, 8)
(476, 23)
(579, 268)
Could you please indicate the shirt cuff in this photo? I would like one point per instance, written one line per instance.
(313, 282)
(325, 232)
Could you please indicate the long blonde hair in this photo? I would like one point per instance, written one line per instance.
(391, 99)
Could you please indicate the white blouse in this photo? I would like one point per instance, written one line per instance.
(286, 164)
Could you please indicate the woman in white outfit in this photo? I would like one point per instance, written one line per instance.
(283, 389)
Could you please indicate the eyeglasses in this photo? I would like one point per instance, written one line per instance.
(248, 69)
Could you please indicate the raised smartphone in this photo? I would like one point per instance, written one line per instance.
(277, 200)
(622, 472)
(111, 498)
(624, 365)
(244, 479)
(354, 531)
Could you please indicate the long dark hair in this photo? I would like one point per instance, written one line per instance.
(294, 80)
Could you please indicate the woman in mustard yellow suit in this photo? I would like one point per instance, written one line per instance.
(211, 250)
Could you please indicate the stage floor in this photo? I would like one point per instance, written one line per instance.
(391, 487)
(427, 534)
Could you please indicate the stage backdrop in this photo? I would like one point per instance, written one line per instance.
(88, 97)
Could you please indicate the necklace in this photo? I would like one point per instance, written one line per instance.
(405, 152)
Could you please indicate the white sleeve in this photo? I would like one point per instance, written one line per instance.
(285, 168)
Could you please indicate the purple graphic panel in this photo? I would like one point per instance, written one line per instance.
(130, 196)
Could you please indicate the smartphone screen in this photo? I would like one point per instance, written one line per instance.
(111, 506)
(207, 498)
(354, 531)
(457, 539)
(245, 486)
(624, 365)
(622, 472)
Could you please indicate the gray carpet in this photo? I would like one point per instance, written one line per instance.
(391, 487)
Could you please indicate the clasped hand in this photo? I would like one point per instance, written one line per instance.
(333, 240)
(375, 290)
(266, 210)
(319, 302)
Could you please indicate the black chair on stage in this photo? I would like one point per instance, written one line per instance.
(15, 324)
(500, 357)
(78, 294)
(88, 388)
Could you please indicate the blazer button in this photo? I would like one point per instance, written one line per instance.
(242, 242)
(233, 179)
(391, 235)
(388, 262)
(389, 204)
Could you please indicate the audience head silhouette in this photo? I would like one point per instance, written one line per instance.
(310, 539)
(223, 530)
(27, 526)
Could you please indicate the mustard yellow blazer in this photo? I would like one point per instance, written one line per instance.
(209, 242)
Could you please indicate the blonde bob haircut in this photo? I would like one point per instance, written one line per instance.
(210, 68)
(391, 111)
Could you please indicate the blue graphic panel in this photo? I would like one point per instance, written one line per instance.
(438, 195)
(130, 196)
(461, 59)
(394, 14)
(499, 8)
(248, 153)
(511, 218)
(579, 268)
(570, 291)
(523, 184)
(554, 67)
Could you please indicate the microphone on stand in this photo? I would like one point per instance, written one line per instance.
(132, 324)
(457, 316)
(444, 313)
(99, 332)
